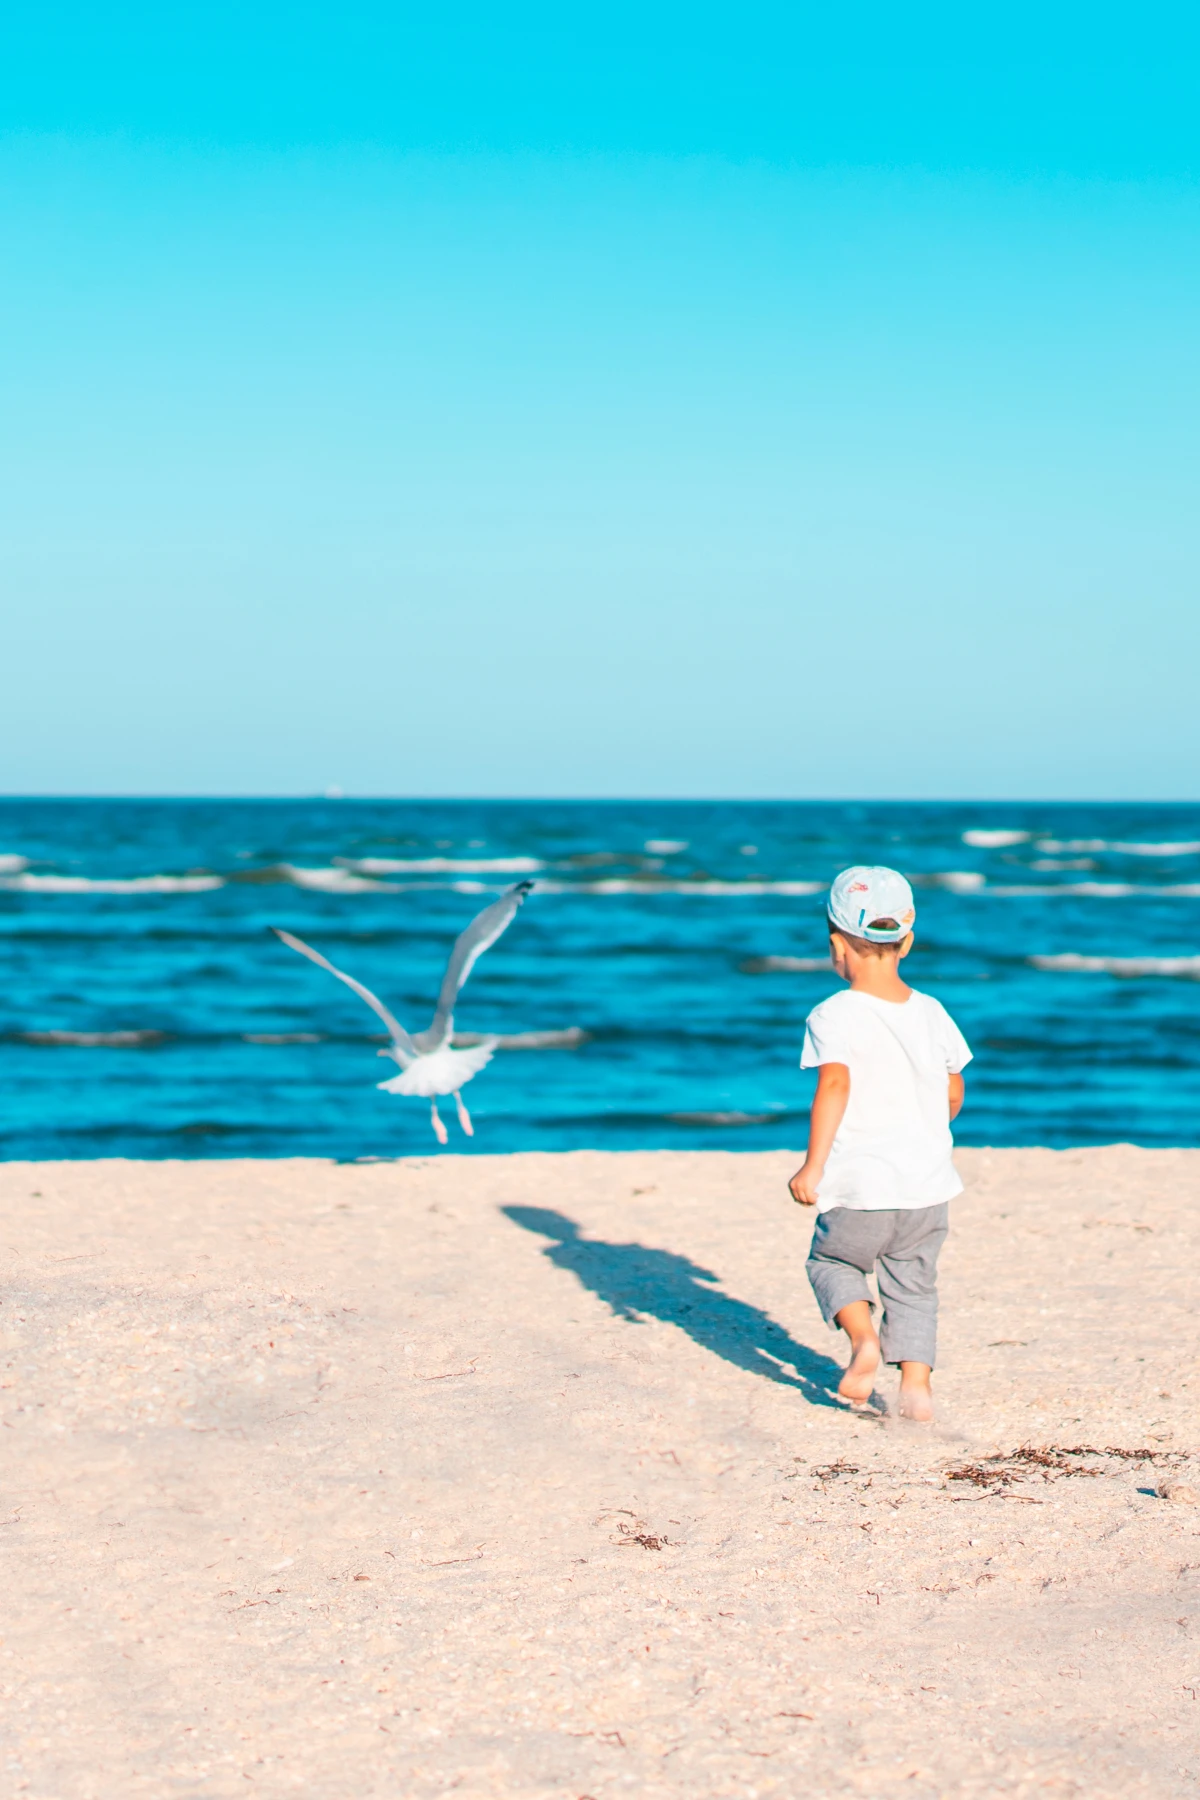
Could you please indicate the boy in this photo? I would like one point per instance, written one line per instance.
(878, 1166)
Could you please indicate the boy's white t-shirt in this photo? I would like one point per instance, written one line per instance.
(893, 1145)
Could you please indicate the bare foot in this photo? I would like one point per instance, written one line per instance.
(858, 1382)
(916, 1400)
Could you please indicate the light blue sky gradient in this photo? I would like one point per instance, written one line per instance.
(674, 401)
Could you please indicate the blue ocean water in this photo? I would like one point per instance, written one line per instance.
(670, 950)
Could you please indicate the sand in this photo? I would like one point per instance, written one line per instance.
(521, 1476)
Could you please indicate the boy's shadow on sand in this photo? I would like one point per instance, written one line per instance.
(635, 1281)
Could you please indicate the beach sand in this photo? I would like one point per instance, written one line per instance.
(521, 1476)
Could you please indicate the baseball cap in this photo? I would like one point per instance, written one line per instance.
(861, 894)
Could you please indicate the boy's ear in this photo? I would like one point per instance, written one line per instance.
(906, 945)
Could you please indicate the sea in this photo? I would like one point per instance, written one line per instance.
(651, 992)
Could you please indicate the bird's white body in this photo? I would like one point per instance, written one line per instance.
(429, 1064)
(440, 1071)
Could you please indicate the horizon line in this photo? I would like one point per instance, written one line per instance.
(339, 797)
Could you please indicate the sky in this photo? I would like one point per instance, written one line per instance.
(700, 401)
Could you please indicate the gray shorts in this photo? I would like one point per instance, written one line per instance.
(902, 1246)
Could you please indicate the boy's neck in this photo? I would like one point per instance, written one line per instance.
(880, 976)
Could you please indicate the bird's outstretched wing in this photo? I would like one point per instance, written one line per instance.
(482, 932)
(399, 1036)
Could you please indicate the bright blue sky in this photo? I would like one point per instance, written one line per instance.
(662, 400)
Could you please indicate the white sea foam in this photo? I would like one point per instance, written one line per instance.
(569, 1039)
(1069, 846)
(1183, 847)
(282, 1037)
(92, 1040)
(1096, 890)
(994, 840)
(138, 884)
(959, 881)
(327, 881)
(622, 885)
(343, 880)
(1183, 968)
(442, 865)
(747, 887)
(791, 965)
(1174, 847)
(330, 881)
(722, 1118)
(12, 865)
(665, 846)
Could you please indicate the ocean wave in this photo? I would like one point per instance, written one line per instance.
(727, 1118)
(12, 865)
(441, 865)
(1094, 846)
(652, 885)
(282, 1037)
(92, 1040)
(84, 884)
(791, 965)
(995, 840)
(959, 881)
(329, 881)
(665, 846)
(568, 1039)
(343, 881)
(1184, 847)
(1128, 968)
(1095, 890)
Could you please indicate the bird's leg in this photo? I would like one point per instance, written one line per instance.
(439, 1130)
(464, 1117)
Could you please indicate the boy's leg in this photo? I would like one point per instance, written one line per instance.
(844, 1248)
(916, 1391)
(859, 1380)
(908, 1290)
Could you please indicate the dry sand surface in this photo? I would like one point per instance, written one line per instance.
(522, 1476)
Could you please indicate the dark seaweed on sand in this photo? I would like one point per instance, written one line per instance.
(1054, 1460)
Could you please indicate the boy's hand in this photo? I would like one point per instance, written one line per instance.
(804, 1184)
(829, 1105)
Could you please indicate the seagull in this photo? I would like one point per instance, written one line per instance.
(429, 1063)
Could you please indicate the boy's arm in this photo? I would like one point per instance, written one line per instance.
(958, 1088)
(828, 1110)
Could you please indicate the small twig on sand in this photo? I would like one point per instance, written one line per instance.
(829, 1471)
(644, 1538)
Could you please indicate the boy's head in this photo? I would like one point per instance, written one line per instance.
(872, 909)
